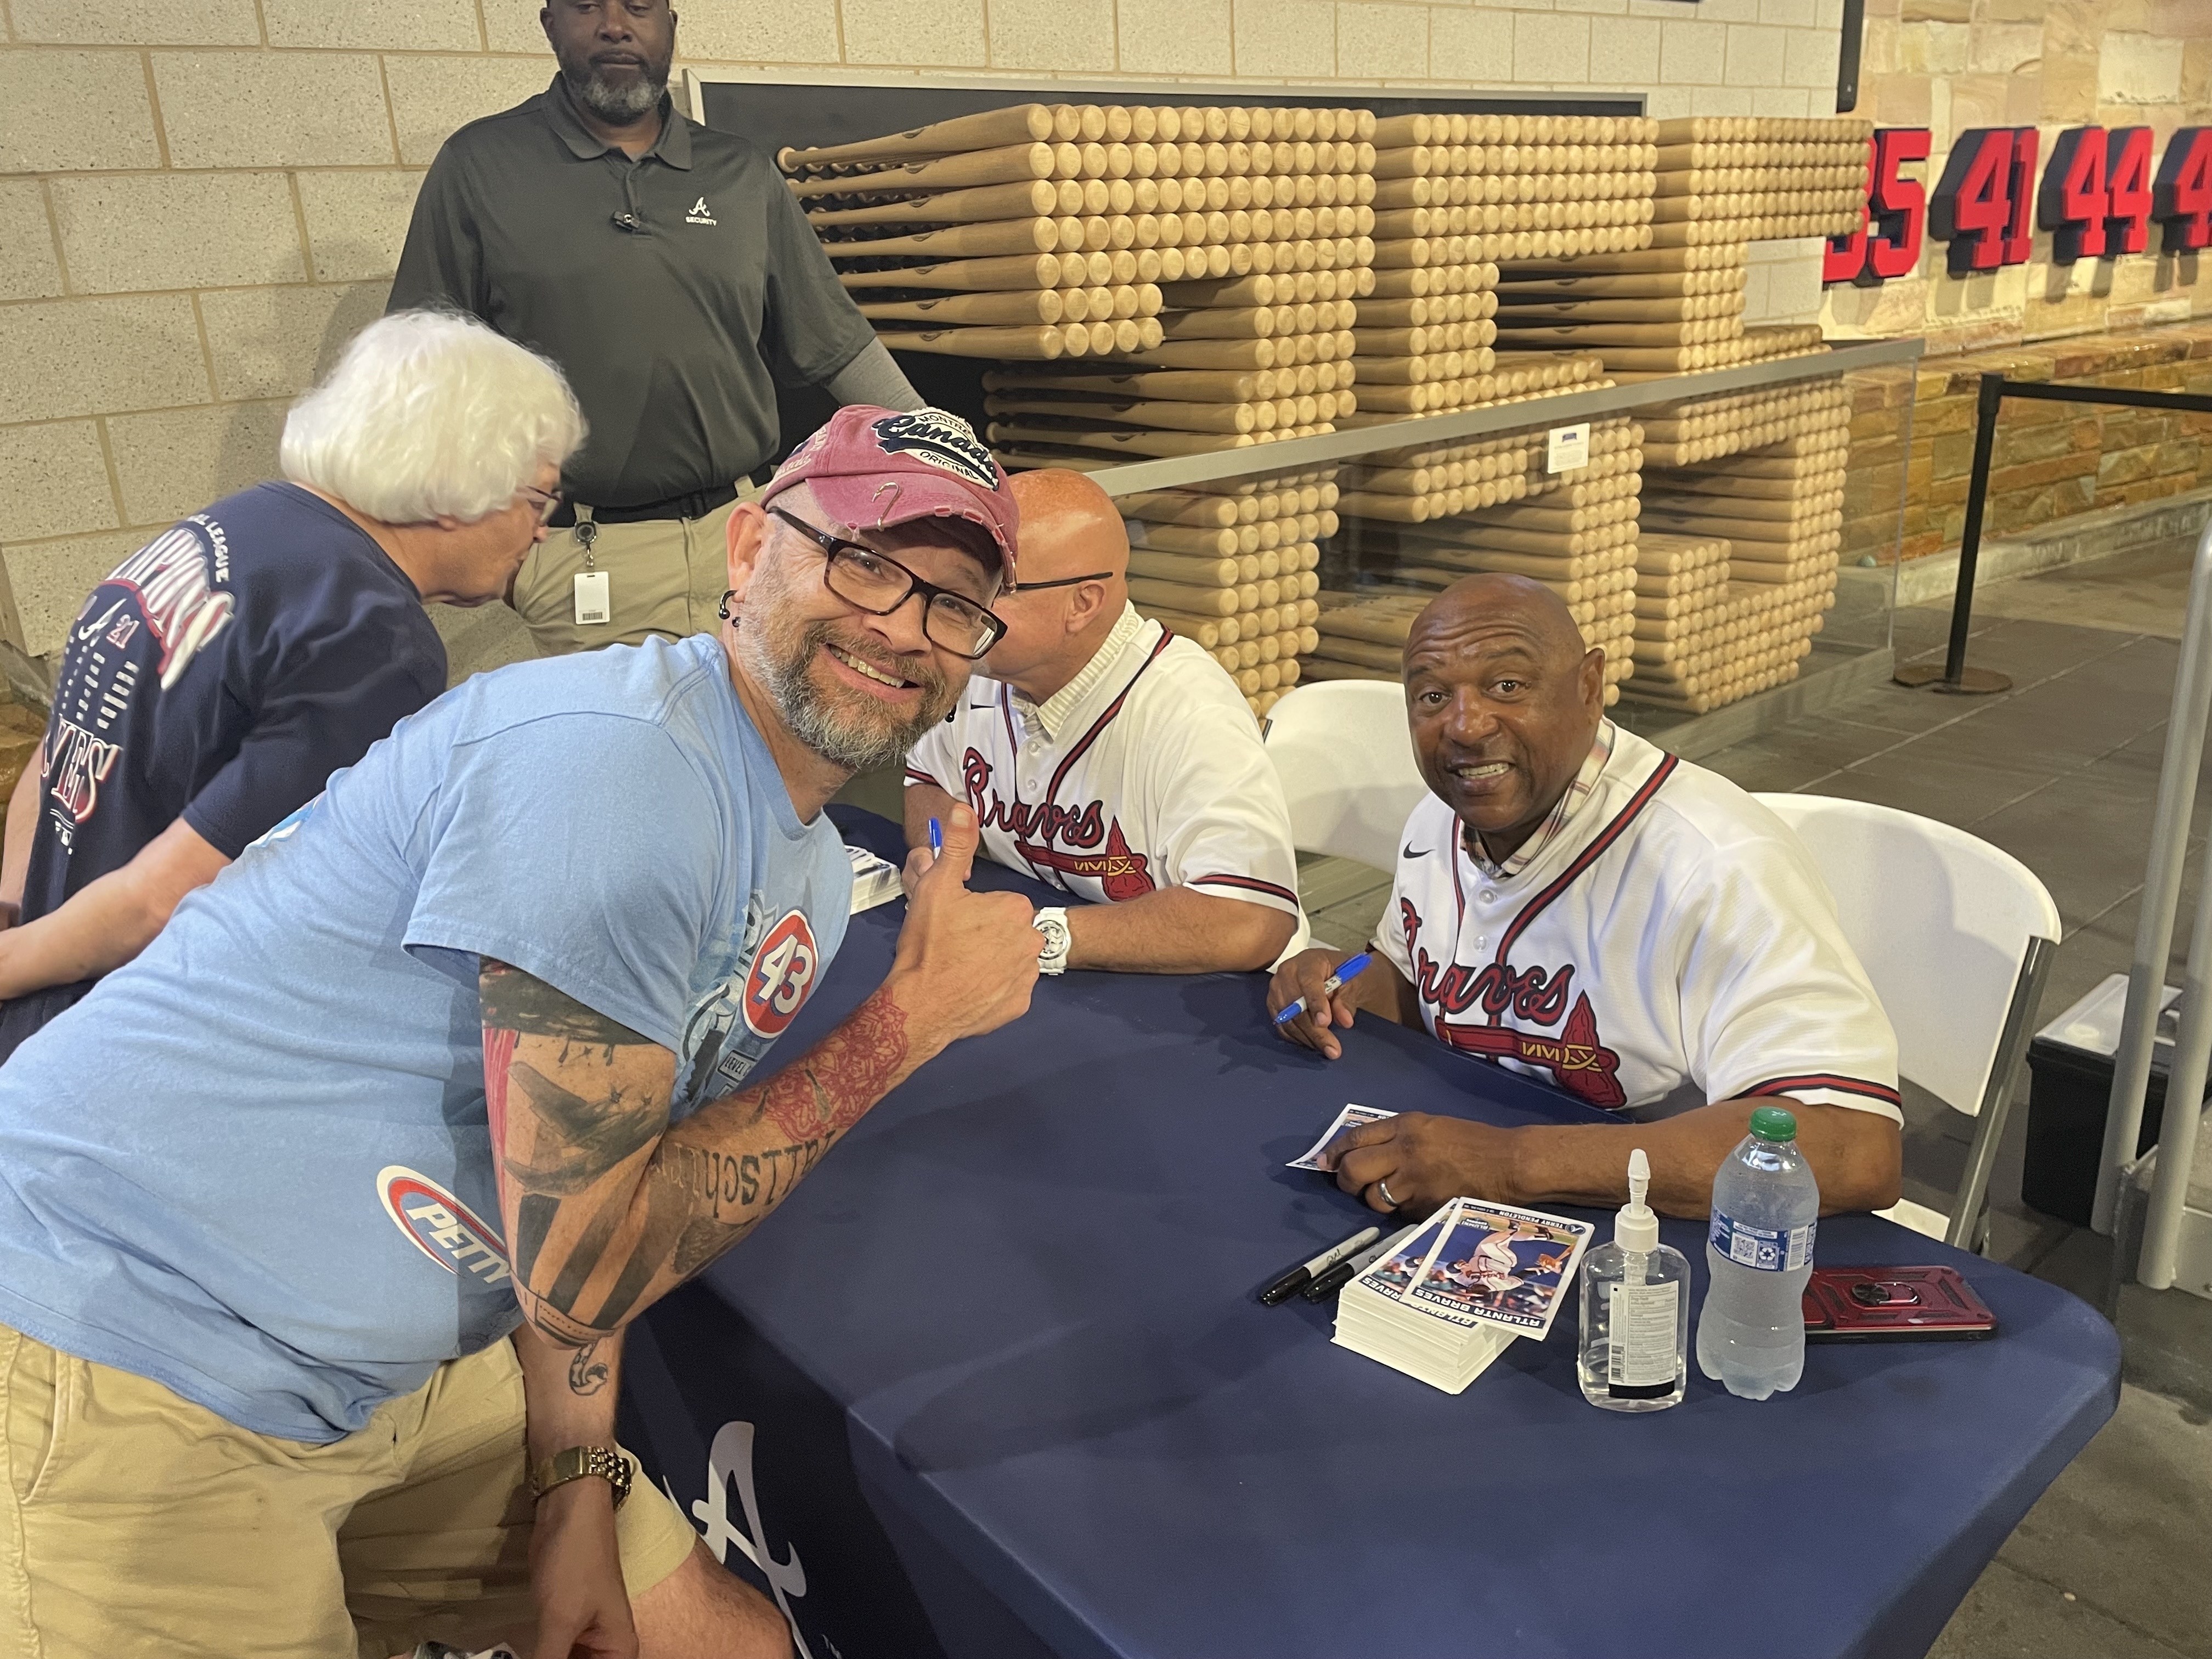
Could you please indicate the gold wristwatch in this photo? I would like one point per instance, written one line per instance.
(609, 1465)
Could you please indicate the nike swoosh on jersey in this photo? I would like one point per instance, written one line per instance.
(1411, 853)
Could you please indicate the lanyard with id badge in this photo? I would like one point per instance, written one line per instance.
(594, 604)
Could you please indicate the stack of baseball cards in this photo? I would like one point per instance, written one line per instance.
(875, 881)
(1447, 1302)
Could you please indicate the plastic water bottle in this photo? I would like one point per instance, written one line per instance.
(1751, 1332)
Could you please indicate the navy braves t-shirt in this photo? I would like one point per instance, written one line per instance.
(222, 673)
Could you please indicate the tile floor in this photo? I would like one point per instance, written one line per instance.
(2061, 771)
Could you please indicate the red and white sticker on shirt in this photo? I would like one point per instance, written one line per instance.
(782, 975)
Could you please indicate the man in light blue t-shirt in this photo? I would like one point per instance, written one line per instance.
(460, 1053)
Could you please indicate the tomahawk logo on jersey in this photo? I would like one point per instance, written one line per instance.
(1150, 774)
(1671, 947)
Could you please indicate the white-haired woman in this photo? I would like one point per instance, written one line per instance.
(225, 668)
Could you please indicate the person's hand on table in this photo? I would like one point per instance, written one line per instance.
(1415, 1162)
(576, 1576)
(966, 962)
(1303, 976)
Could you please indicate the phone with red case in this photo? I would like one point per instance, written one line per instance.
(1893, 1304)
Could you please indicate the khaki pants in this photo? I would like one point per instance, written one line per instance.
(664, 576)
(133, 1522)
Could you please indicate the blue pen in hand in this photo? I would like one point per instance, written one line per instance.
(1351, 968)
(936, 839)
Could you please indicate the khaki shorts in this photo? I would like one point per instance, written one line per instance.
(134, 1521)
(664, 576)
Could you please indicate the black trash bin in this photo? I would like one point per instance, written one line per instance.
(2069, 1063)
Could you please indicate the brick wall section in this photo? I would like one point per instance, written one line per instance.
(2050, 459)
(201, 200)
(1951, 64)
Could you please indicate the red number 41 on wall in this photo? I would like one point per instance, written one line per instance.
(1984, 203)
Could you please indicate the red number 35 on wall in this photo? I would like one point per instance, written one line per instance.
(1886, 244)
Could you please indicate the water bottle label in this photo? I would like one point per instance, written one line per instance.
(1769, 1249)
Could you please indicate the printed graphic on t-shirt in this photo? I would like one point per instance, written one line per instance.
(730, 1029)
(147, 620)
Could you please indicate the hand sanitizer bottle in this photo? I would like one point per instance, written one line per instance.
(1636, 1310)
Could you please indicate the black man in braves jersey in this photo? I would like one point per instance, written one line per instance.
(1579, 906)
(1114, 760)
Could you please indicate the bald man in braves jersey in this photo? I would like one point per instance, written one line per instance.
(1114, 760)
(1575, 905)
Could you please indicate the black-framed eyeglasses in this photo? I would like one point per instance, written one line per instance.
(549, 500)
(878, 584)
(1063, 581)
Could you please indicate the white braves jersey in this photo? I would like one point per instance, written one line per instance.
(1673, 945)
(1146, 771)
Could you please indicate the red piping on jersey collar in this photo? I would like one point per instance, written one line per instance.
(1587, 857)
(1052, 792)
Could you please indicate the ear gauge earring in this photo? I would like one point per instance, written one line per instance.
(723, 609)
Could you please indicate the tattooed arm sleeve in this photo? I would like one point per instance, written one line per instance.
(606, 1207)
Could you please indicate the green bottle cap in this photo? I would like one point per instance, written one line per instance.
(1774, 1123)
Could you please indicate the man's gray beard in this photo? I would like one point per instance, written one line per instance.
(809, 713)
(620, 104)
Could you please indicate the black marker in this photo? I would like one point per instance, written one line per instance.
(1327, 1284)
(1306, 1272)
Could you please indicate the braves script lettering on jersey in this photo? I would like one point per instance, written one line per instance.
(1144, 772)
(1671, 946)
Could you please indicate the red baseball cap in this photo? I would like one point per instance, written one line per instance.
(873, 468)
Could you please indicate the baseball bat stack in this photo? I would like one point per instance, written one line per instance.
(1012, 233)
(1754, 179)
(1574, 532)
(1772, 508)
(1260, 225)
(1363, 635)
(1697, 430)
(1233, 567)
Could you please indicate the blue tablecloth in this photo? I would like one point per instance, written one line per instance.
(1010, 1393)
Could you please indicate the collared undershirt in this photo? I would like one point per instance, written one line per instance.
(1046, 717)
(1561, 815)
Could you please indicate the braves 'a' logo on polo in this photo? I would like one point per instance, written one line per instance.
(782, 975)
(441, 1225)
(1577, 1060)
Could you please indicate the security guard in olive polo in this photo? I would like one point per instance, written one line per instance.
(668, 269)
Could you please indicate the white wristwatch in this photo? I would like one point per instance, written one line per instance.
(1052, 923)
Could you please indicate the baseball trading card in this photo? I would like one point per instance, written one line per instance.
(1345, 1120)
(1499, 1265)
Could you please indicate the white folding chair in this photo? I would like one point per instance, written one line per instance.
(1956, 936)
(1346, 762)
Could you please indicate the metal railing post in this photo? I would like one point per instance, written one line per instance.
(1954, 676)
(2162, 895)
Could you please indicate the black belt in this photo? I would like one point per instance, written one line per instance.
(696, 505)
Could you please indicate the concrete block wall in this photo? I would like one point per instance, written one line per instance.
(201, 200)
(1951, 64)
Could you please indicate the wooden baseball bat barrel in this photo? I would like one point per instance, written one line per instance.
(1190, 601)
(1016, 163)
(1038, 198)
(1013, 271)
(1198, 386)
(1042, 235)
(992, 130)
(1134, 442)
(1188, 417)
(1043, 343)
(1033, 305)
